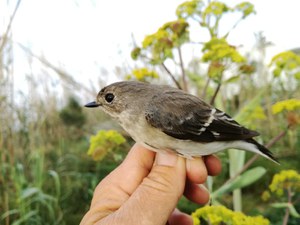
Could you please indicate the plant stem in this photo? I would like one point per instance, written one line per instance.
(212, 101)
(4, 37)
(205, 88)
(278, 137)
(233, 27)
(184, 82)
(287, 211)
(171, 75)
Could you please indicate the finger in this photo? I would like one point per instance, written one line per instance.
(196, 193)
(129, 174)
(117, 187)
(196, 170)
(158, 194)
(180, 218)
(213, 165)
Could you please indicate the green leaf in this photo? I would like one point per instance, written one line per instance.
(293, 211)
(288, 205)
(9, 213)
(279, 205)
(232, 79)
(248, 177)
(56, 182)
(31, 214)
(28, 192)
(243, 180)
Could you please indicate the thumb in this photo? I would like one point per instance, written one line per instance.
(157, 196)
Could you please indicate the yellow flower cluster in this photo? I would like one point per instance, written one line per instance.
(143, 73)
(286, 62)
(284, 180)
(288, 105)
(215, 8)
(161, 43)
(217, 215)
(189, 8)
(104, 142)
(217, 49)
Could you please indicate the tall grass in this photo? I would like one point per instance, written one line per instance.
(34, 192)
(45, 174)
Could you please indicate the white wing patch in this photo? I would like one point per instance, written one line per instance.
(223, 117)
(217, 115)
(209, 121)
(215, 133)
(214, 115)
(211, 118)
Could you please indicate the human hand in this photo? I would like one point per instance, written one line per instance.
(146, 187)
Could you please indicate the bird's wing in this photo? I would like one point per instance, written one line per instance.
(187, 117)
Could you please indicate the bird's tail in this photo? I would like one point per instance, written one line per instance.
(263, 150)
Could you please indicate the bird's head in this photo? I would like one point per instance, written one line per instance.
(118, 97)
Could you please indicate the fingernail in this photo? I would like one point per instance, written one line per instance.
(166, 159)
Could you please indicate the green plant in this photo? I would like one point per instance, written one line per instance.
(35, 202)
(72, 114)
(285, 187)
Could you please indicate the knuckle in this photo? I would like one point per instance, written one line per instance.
(160, 179)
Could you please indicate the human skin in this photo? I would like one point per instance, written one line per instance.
(146, 187)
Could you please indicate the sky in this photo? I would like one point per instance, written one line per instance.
(85, 36)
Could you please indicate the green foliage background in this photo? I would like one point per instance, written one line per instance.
(47, 174)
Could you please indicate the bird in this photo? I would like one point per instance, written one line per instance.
(164, 118)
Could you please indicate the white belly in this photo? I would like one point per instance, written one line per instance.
(156, 140)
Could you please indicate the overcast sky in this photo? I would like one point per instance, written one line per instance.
(85, 35)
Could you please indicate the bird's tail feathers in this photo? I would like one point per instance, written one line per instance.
(263, 150)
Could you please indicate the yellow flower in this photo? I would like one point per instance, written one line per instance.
(104, 142)
(217, 215)
(143, 74)
(286, 179)
(288, 105)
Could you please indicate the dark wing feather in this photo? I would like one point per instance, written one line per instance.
(187, 117)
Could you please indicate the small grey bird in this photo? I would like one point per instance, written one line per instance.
(165, 118)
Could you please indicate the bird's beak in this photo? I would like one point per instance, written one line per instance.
(92, 104)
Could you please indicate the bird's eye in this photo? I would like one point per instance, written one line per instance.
(109, 97)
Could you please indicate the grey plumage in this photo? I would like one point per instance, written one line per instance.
(166, 118)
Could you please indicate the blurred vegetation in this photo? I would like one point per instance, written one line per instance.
(47, 174)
